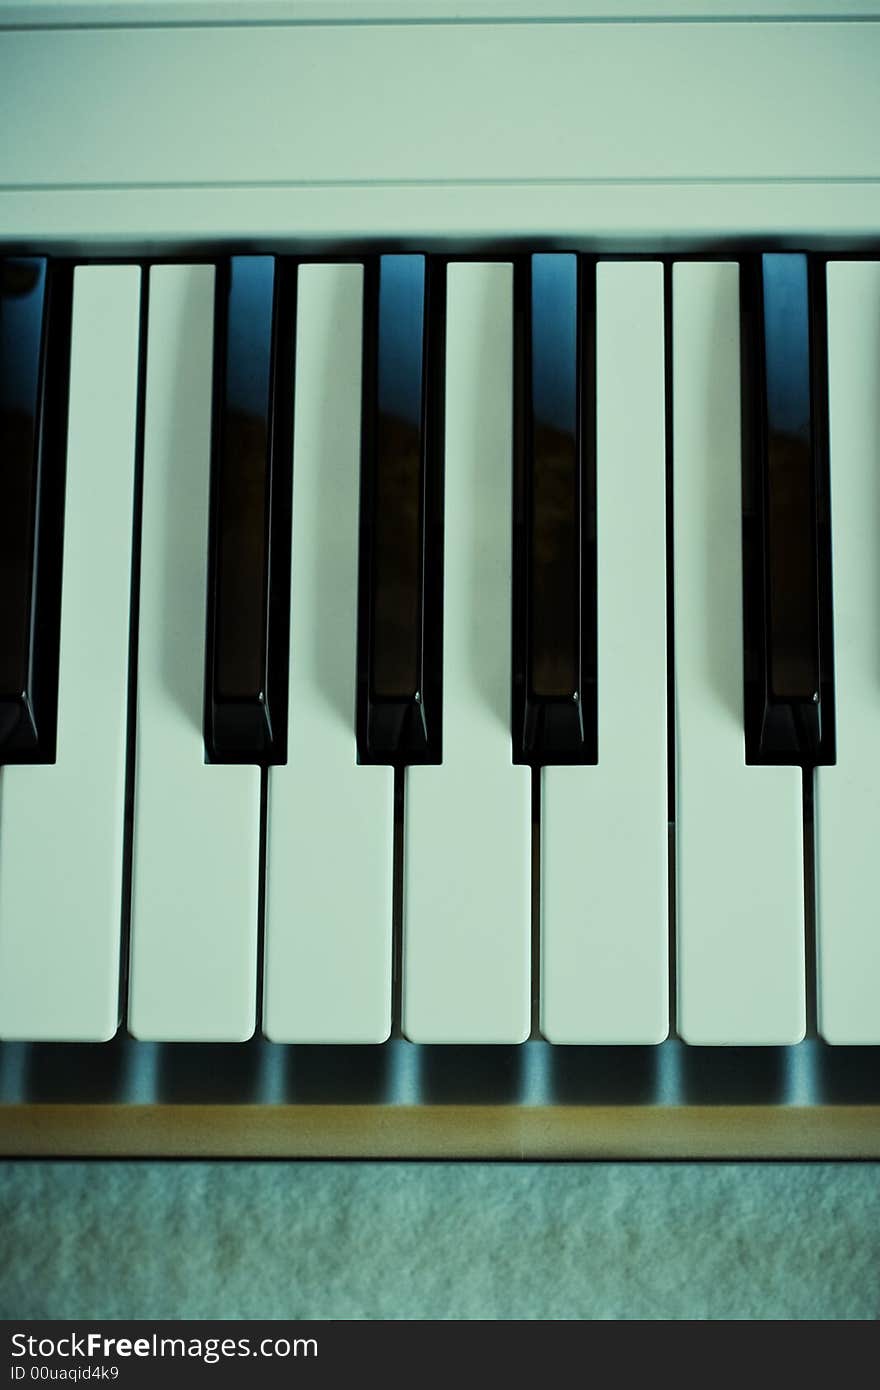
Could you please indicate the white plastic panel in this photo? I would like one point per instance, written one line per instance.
(627, 215)
(739, 831)
(522, 150)
(330, 851)
(111, 12)
(61, 826)
(467, 854)
(604, 840)
(196, 826)
(847, 803)
(372, 103)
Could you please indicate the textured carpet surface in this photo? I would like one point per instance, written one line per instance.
(359, 1240)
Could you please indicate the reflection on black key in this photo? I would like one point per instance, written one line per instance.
(787, 581)
(554, 692)
(400, 638)
(35, 306)
(249, 548)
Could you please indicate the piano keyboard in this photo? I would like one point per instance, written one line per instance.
(439, 699)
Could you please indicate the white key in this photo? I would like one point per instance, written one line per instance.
(848, 794)
(604, 839)
(196, 826)
(467, 871)
(739, 832)
(61, 826)
(330, 826)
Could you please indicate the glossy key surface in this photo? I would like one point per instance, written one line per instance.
(555, 607)
(787, 563)
(34, 366)
(249, 543)
(399, 717)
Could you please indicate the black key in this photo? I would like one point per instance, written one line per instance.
(787, 563)
(251, 480)
(554, 688)
(400, 622)
(35, 307)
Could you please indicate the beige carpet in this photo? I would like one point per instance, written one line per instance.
(359, 1240)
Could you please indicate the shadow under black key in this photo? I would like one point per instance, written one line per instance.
(603, 1075)
(469, 1075)
(847, 1075)
(82, 1073)
(209, 1073)
(733, 1075)
(337, 1075)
